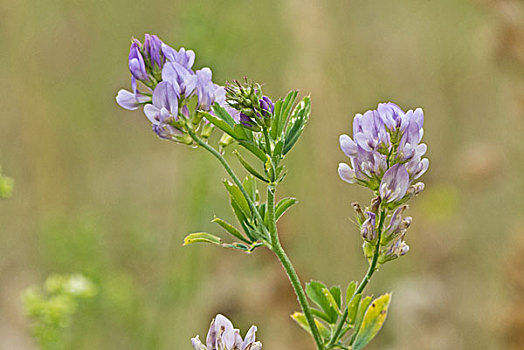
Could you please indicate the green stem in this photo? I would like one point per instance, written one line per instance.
(266, 138)
(372, 268)
(272, 235)
(236, 180)
(288, 266)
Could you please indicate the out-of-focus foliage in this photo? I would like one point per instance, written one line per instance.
(6, 186)
(98, 194)
(51, 309)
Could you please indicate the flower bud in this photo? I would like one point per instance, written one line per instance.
(394, 249)
(153, 51)
(404, 248)
(368, 228)
(375, 205)
(405, 223)
(266, 109)
(247, 122)
(137, 65)
(225, 140)
(358, 213)
(394, 227)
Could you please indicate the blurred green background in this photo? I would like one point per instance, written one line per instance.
(98, 193)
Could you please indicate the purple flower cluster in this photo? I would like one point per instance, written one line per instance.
(169, 85)
(222, 336)
(386, 151)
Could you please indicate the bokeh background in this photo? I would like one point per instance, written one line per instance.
(98, 193)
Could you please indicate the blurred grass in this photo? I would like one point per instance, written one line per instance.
(98, 193)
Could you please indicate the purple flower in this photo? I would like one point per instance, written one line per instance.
(369, 132)
(394, 184)
(131, 100)
(267, 106)
(346, 173)
(163, 110)
(222, 336)
(381, 139)
(368, 228)
(181, 77)
(186, 58)
(152, 48)
(137, 65)
(206, 89)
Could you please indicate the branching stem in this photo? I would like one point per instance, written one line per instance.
(272, 235)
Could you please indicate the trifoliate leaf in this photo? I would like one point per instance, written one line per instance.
(321, 296)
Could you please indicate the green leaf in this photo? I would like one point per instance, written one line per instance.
(238, 198)
(240, 132)
(221, 113)
(335, 292)
(353, 308)
(352, 287)
(202, 237)
(262, 209)
(300, 318)
(332, 301)
(320, 314)
(249, 168)
(236, 245)
(316, 292)
(279, 147)
(250, 186)
(253, 149)
(364, 303)
(276, 120)
(373, 320)
(222, 125)
(281, 113)
(296, 124)
(283, 205)
(230, 228)
(286, 109)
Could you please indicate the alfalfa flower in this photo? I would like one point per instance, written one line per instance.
(132, 100)
(164, 110)
(385, 152)
(222, 336)
(172, 93)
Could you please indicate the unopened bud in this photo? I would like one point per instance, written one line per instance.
(375, 205)
(404, 248)
(367, 230)
(395, 222)
(207, 130)
(419, 187)
(405, 223)
(225, 140)
(358, 212)
(415, 189)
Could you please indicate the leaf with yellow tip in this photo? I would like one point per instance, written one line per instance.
(373, 320)
(202, 237)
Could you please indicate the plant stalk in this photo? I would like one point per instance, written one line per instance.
(362, 285)
(288, 267)
(231, 173)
